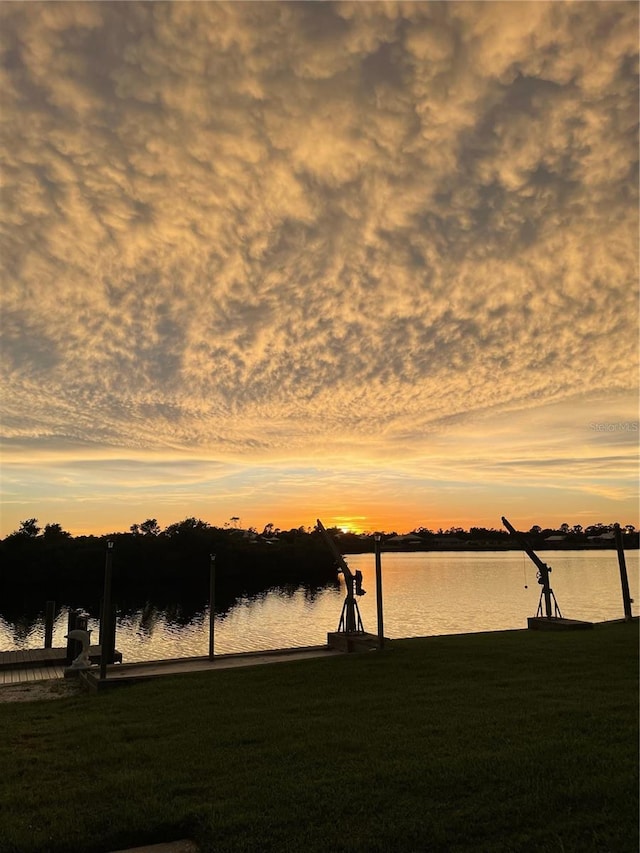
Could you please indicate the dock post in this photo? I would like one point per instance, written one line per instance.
(624, 580)
(212, 603)
(379, 592)
(73, 646)
(49, 619)
(105, 626)
(546, 591)
(108, 644)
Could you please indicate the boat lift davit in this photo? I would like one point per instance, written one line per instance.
(543, 575)
(350, 620)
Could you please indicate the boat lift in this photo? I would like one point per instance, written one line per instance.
(350, 621)
(542, 576)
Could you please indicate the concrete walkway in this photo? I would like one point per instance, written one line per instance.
(131, 672)
(183, 846)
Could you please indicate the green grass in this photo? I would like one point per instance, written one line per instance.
(517, 741)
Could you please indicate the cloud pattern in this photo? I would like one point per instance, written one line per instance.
(287, 230)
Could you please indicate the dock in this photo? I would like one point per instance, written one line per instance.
(42, 672)
(44, 664)
(39, 664)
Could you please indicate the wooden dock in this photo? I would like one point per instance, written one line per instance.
(44, 664)
(39, 664)
(32, 672)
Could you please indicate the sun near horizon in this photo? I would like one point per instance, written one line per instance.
(358, 525)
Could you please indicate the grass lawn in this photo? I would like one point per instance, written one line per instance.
(515, 741)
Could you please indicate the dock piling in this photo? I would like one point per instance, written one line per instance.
(212, 603)
(49, 619)
(73, 647)
(105, 627)
(624, 579)
(379, 592)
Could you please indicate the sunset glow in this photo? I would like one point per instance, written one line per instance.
(375, 263)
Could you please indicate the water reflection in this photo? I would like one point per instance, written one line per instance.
(424, 594)
(21, 633)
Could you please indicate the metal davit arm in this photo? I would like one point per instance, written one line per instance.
(525, 546)
(337, 556)
(350, 621)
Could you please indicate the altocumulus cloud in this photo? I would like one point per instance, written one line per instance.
(278, 229)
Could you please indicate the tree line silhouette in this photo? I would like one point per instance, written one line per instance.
(51, 563)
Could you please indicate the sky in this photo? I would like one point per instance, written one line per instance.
(371, 262)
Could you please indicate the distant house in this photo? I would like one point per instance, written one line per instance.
(606, 537)
(557, 538)
(409, 539)
(251, 535)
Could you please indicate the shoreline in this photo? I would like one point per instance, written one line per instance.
(471, 548)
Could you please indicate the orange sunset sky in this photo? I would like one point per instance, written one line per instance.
(372, 262)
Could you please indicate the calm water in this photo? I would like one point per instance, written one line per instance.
(424, 594)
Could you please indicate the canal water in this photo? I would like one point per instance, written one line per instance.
(423, 593)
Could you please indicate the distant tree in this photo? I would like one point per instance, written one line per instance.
(577, 528)
(268, 529)
(188, 525)
(55, 531)
(487, 533)
(536, 529)
(629, 528)
(564, 528)
(150, 527)
(29, 528)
